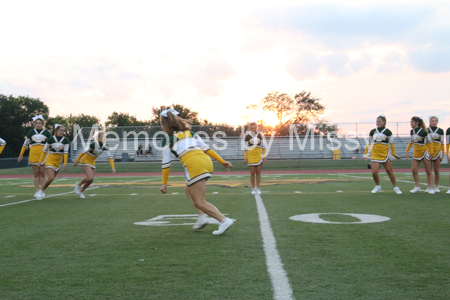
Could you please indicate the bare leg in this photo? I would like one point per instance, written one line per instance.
(427, 165)
(88, 180)
(437, 165)
(197, 192)
(258, 176)
(415, 171)
(51, 174)
(375, 170)
(388, 167)
(42, 175)
(199, 212)
(36, 178)
(252, 176)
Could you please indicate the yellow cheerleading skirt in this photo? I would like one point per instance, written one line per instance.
(88, 161)
(437, 151)
(35, 155)
(53, 161)
(381, 153)
(197, 166)
(255, 157)
(420, 152)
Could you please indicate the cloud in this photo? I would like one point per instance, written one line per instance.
(343, 27)
(307, 65)
(431, 59)
(208, 75)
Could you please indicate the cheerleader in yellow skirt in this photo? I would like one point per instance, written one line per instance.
(87, 161)
(447, 133)
(56, 150)
(381, 150)
(2, 145)
(36, 139)
(437, 148)
(254, 155)
(422, 152)
(194, 155)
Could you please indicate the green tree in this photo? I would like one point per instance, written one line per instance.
(69, 121)
(297, 109)
(17, 113)
(302, 108)
(123, 119)
(185, 113)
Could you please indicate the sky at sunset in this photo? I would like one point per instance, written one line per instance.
(362, 58)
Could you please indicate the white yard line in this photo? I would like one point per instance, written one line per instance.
(398, 180)
(34, 199)
(281, 286)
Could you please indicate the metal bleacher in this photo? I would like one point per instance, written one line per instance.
(231, 148)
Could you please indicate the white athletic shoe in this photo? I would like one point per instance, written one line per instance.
(36, 194)
(202, 221)
(77, 188)
(397, 190)
(224, 226)
(253, 191)
(436, 189)
(81, 195)
(431, 191)
(448, 192)
(40, 195)
(416, 189)
(258, 191)
(376, 189)
(427, 190)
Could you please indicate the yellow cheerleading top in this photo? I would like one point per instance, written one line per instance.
(55, 150)
(182, 145)
(92, 152)
(381, 145)
(447, 133)
(437, 140)
(255, 149)
(421, 141)
(2, 145)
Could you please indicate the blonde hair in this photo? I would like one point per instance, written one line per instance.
(434, 117)
(172, 123)
(383, 118)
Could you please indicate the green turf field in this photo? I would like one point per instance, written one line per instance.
(68, 248)
(312, 164)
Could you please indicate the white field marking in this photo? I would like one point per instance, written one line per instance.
(148, 179)
(92, 195)
(134, 194)
(34, 199)
(398, 180)
(10, 196)
(281, 286)
(339, 191)
(176, 193)
(298, 192)
(215, 192)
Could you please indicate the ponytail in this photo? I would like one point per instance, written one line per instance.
(420, 122)
(173, 123)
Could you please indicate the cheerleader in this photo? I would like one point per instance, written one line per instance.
(2, 145)
(194, 156)
(437, 148)
(422, 152)
(36, 139)
(254, 155)
(56, 150)
(447, 133)
(381, 150)
(87, 161)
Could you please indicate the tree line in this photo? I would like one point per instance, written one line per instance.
(16, 114)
